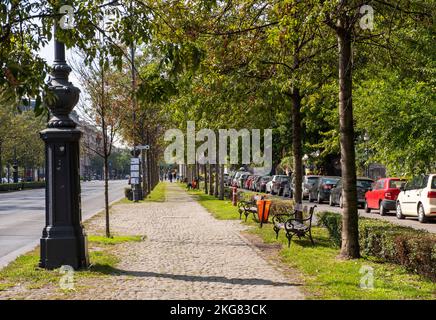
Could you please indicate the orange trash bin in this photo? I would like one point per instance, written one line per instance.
(263, 207)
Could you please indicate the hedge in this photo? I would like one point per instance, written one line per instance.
(241, 195)
(408, 247)
(281, 206)
(21, 185)
(333, 223)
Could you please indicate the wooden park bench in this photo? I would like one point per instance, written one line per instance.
(293, 225)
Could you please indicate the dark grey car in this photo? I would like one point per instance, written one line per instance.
(261, 184)
(363, 185)
(320, 191)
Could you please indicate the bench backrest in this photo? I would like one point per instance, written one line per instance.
(311, 212)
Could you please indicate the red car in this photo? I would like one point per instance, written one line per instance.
(248, 182)
(383, 195)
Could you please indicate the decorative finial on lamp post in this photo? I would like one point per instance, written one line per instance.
(67, 95)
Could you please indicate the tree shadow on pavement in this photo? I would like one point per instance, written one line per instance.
(108, 270)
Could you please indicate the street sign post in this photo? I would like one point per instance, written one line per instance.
(134, 180)
(135, 177)
(134, 174)
(134, 169)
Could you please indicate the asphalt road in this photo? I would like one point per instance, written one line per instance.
(408, 222)
(22, 215)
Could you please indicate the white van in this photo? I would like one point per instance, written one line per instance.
(418, 198)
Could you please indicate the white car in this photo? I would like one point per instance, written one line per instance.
(236, 177)
(418, 198)
(268, 187)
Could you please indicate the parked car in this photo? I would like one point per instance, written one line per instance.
(225, 178)
(285, 187)
(363, 185)
(254, 183)
(383, 195)
(321, 191)
(261, 184)
(276, 186)
(240, 182)
(268, 186)
(418, 198)
(237, 177)
(248, 181)
(307, 183)
(286, 190)
(229, 181)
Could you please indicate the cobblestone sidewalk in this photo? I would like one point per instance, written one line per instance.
(188, 254)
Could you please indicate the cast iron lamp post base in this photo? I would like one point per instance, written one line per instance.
(63, 239)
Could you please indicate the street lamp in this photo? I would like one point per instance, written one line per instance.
(63, 241)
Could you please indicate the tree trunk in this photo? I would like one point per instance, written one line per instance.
(148, 169)
(210, 180)
(221, 195)
(152, 171)
(144, 165)
(215, 191)
(156, 168)
(350, 231)
(106, 193)
(205, 179)
(296, 145)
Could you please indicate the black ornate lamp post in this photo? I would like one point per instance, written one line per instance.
(63, 239)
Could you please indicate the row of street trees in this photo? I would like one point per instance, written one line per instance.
(321, 73)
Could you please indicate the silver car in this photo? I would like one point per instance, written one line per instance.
(308, 182)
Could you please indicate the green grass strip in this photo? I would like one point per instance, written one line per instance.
(156, 195)
(25, 271)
